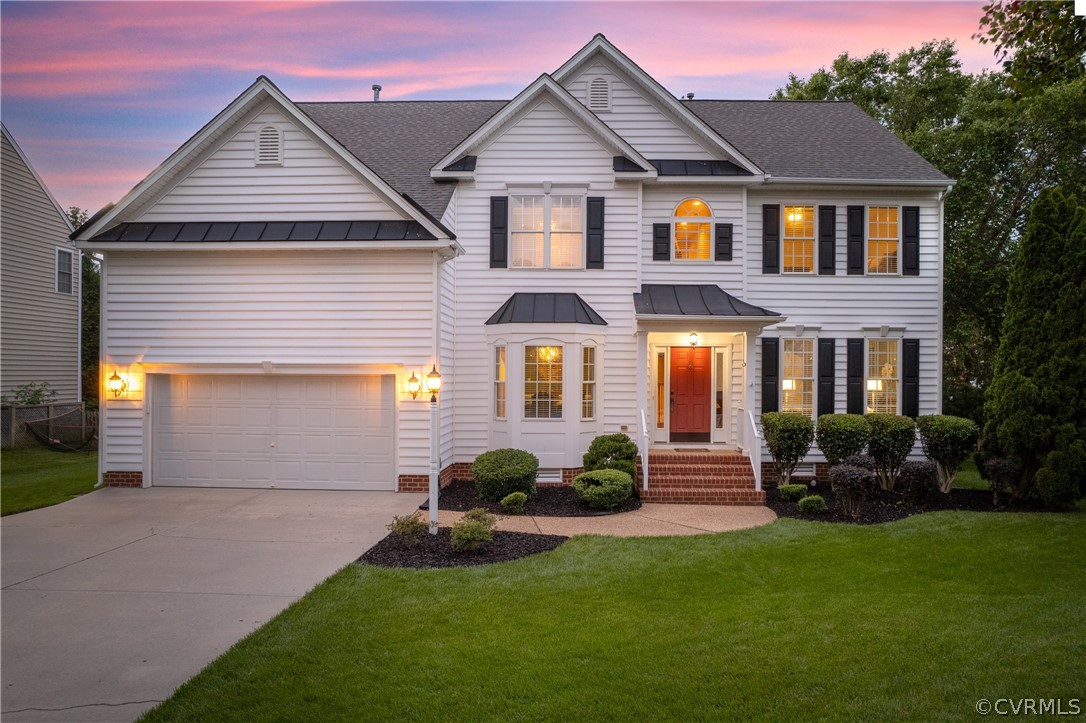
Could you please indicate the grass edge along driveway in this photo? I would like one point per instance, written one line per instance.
(35, 477)
(916, 619)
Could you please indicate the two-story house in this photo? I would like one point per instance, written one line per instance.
(592, 256)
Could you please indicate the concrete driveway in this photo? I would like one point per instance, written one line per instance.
(112, 600)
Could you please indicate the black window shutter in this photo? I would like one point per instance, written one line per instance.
(723, 242)
(855, 381)
(855, 238)
(826, 374)
(771, 374)
(661, 242)
(910, 377)
(827, 240)
(910, 241)
(594, 258)
(771, 238)
(499, 232)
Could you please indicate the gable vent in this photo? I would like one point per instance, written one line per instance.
(599, 94)
(269, 147)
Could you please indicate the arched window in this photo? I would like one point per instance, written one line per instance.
(269, 147)
(599, 94)
(692, 231)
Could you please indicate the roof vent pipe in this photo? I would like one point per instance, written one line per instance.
(376, 92)
(690, 96)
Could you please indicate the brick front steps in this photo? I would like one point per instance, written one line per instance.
(701, 478)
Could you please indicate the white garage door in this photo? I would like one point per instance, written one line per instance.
(272, 431)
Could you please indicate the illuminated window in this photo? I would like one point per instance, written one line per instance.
(799, 235)
(547, 232)
(693, 231)
(797, 381)
(499, 382)
(661, 379)
(882, 376)
(882, 239)
(588, 382)
(542, 382)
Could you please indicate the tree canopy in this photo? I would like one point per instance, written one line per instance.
(1040, 43)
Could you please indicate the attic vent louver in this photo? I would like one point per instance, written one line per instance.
(599, 94)
(269, 147)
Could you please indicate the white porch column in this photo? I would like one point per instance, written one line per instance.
(642, 404)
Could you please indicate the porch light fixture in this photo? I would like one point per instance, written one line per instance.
(433, 383)
(693, 338)
(874, 385)
(414, 386)
(116, 384)
(788, 385)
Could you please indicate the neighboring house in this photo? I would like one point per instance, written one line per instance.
(39, 283)
(593, 256)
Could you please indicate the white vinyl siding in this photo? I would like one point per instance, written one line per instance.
(39, 328)
(726, 203)
(309, 184)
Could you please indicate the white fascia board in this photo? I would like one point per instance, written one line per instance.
(414, 245)
(572, 106)
(602, 45)
(253, 94)
(636, 175)
(34, 173)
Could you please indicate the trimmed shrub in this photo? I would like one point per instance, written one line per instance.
(851, 485)
(501, 472)
(841, 435)
(947, 441)
(611, 451)
(408, 528)
(862, 461)
(792, 493)
(919, 480)
(813, 505)
(603, 489)
(1001, 473)
(1058, 479)
(892, 438)
(514, 502)
(788, 437)
(473, 530)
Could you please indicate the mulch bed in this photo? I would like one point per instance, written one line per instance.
(550, 501)
(889, 506)
(436, 550)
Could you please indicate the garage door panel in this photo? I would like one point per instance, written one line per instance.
(273, 431)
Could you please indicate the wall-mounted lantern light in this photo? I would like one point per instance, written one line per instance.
(693, 338)
(414, 386)
(116, 384)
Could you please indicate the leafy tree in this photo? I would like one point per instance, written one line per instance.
(1040, 43)
(90, 288)
(1036, 405)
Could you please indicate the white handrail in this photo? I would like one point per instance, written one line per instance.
(754, 449)
(644, 452)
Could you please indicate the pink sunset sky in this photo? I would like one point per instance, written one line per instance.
(98, 94)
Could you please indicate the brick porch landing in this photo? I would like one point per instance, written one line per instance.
(701, 477)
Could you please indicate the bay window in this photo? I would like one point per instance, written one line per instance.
(588, 382)
(499, 382)
(543, 382)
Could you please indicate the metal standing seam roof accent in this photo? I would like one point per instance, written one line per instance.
(534, 308)
(682, 167)
(693, 300)
(218, 231)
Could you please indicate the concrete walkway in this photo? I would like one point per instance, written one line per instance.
(112, 600)
(651, 520)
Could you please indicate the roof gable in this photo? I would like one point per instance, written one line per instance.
(30, 168)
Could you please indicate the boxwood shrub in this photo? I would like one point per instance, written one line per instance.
(851, 485)
(475, 529)
(501, 472)
(792, 493)
(813, 505)
(919, 480)
(788, 437)
(514, 502)
(603, 489)
(948, 441)
(892, 438)
(841, 435)
(612, 451)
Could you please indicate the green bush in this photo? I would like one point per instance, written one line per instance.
(788, 437)
(514, 502)
(473, 530)
(813, 505)
(841, 435)
(1059, 478)
(1001, 473)
(501, 472)
(860, 460)
(852, 485)
(792, 493)
(612, 451)
(947, 441)
(603, 489)
(408, 528)
(892, 438)
(919, 480)
(29, 395)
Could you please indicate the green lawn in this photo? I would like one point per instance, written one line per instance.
(916, 619)
(968, 477)
(38, 477)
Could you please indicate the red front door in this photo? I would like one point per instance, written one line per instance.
(691, 382)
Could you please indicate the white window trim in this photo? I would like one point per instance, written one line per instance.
(867, 365)
(505, 382)
(814, 240)
(867, 238)
(814, 372)
(58, 250)
(710, 219)
(594, 382)
(524, 380)
(547, 192)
